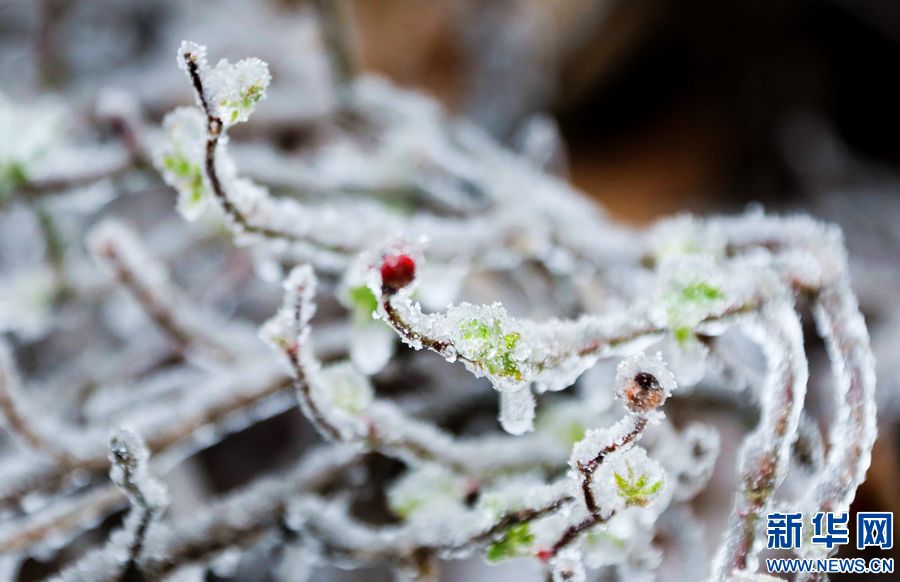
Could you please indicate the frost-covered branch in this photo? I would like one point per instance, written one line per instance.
(766, 452)
(853, 430)
(516, 353)
(528, 285)
(133, 266)
(238, 520)
(20, 423)
(216, 403)
(340, 403)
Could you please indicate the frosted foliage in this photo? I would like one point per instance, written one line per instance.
(180, 157)
(236, 88)
(232, 90)
(28, 135)
(343, 389)
(627, 478)
(426, 493)
(26, 301)
(430, 277)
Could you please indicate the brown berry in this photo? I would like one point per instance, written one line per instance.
(643, 393)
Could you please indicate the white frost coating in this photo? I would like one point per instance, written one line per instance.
(854, 429)
(129, 455)
(191, 327)
(234, 89)
(193, 51)
(407, 170)
(29, 134)
(765, 454)
(629, 368)
(427, 492)
(598, 439)
(344, 390)
(26, 301)
(627, 478)
(567, 566)
(684, 234)
(179, 157)
(149, 497)
(517, 410)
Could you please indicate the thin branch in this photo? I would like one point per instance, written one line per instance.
(147, 280)
(220, 400)
(11, 408)
(766, 453)
(387, 429)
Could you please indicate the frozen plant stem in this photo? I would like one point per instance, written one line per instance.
(853, 432)
(766, 452)
(146, 279)
(129, 455)
(384, 427)
(11, 403)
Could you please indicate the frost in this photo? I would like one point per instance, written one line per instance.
(568, 567)
(396, 221)
(627, 478)
(517, 410)
(235, 89)
(344, 389)
(426, 493)
(29, 134)
(26, 300)
(180, 158)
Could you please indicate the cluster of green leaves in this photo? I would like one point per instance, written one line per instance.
(687, 298)
(12, 176)
(636, 491)
(247, 100)
(192, 174)
(514, 542)
(494, 349)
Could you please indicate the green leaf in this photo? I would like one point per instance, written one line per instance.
(636, 491)
(494, 349)
(701, 292)
(513, 543)
(363, 301)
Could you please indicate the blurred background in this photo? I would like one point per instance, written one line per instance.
(698, 105)
(666, 106)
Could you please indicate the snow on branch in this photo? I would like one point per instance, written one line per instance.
(534, 290)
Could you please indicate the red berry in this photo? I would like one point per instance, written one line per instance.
(544, 555)
(397, 271)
